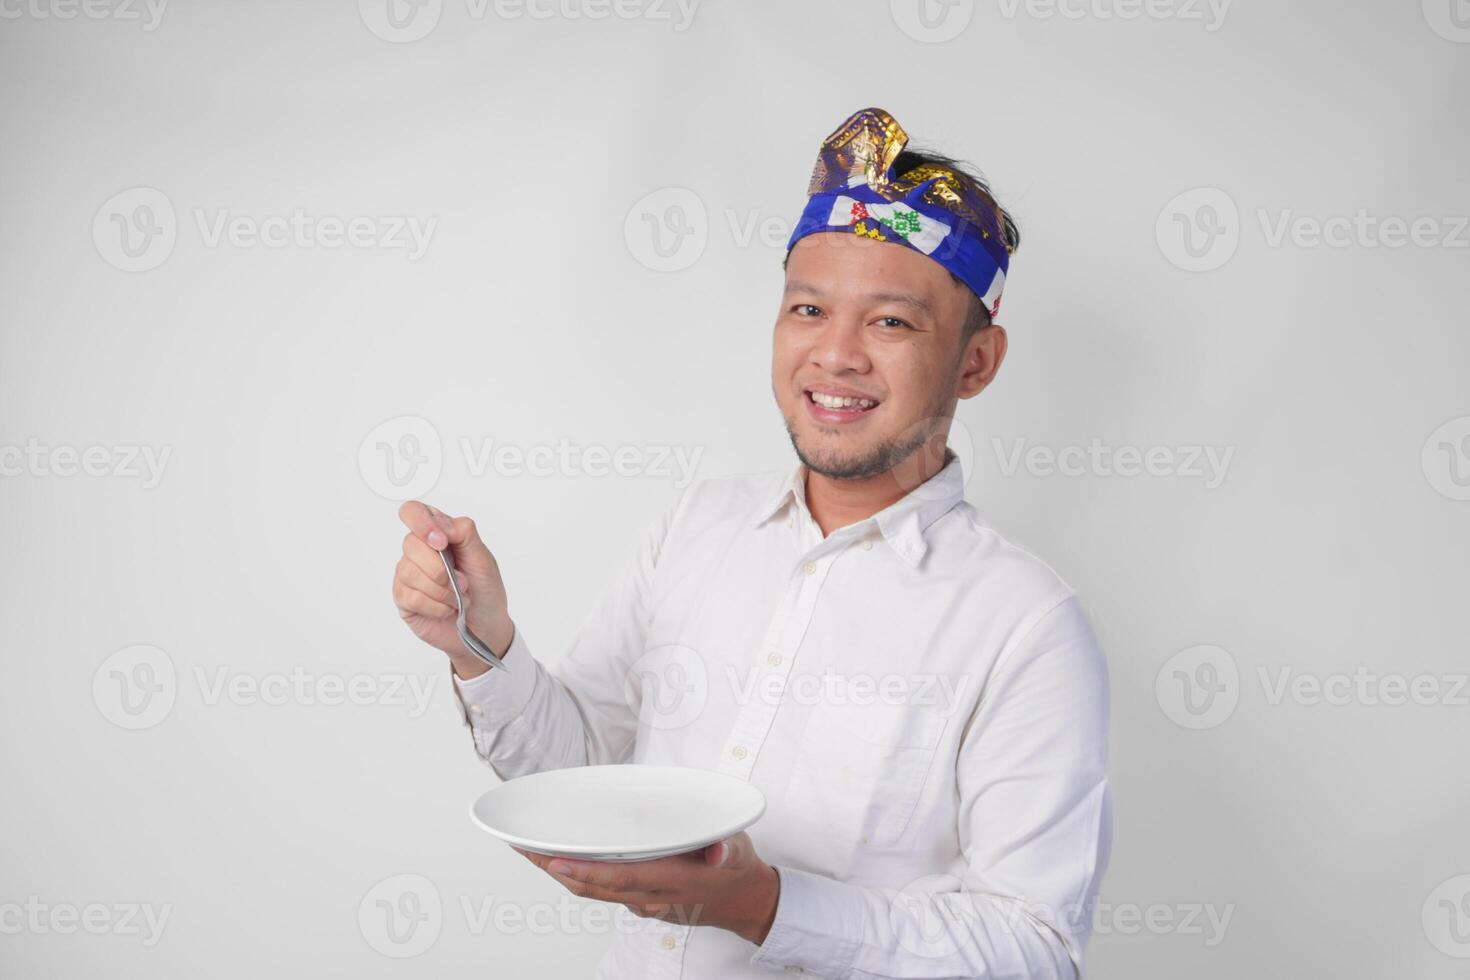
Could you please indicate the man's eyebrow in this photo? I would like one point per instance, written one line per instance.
(883, 296)
(918, 302)
(798, 286)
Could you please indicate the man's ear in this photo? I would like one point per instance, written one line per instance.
(983, 355)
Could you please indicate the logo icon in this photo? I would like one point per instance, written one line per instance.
(667, 230)
(400, 21)
(1198, 687)
(938, 933)
(1446, 917)
(668, 687)
(401, 916)
(135, 688)
(1199, 230)
(1446, 458)
(1450, 19)
(135, 230)
(932, 21)
(402, 458)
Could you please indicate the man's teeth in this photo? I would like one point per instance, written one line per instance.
(832, 401)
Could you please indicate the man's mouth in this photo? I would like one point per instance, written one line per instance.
(828, 407)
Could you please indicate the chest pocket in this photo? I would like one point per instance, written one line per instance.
(860, 768)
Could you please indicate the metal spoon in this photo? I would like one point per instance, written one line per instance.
(472, 642)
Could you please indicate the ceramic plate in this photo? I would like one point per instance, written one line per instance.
(619, 812)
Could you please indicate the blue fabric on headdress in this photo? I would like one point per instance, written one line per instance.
(929, 208)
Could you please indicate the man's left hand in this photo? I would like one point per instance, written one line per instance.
(725, 885)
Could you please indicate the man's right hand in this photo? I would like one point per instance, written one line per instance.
(421, 586)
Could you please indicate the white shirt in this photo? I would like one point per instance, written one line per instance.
(922, 703)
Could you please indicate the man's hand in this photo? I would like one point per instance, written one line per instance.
(725, 885)
(421, 586)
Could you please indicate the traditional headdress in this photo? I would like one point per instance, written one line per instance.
(929, 208)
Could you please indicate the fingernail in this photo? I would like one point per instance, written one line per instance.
(437, 539)
(560, 867)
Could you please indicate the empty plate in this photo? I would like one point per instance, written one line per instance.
(625, 812)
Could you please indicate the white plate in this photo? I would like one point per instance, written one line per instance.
(624, 812)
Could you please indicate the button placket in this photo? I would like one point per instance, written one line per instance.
(742, 745)
(783, 637)
(666, 958)
(665, 942)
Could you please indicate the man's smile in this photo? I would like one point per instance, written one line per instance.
(837, 404)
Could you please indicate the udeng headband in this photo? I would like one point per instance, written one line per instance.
(928, 208)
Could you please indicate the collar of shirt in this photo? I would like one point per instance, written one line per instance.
(903, 522)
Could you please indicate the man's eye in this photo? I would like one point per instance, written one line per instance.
(806, 309)
(892, 321)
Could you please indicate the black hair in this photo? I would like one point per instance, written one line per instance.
(978, 187)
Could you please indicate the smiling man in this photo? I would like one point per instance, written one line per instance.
(922, 702)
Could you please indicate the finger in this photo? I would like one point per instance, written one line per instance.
(650, 911)
(411, 575)
(539, 860)
(428, 561)
(615, 878)
(413, 602)
(583, 889)
(428, 524)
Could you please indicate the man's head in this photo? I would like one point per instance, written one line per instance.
(880, 320)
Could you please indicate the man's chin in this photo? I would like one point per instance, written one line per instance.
(842, 462)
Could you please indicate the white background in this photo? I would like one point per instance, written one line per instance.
(1333, 835)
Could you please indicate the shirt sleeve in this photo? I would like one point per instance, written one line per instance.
(580, 711)
(1035, 830)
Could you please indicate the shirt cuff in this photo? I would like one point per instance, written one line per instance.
(808, 935)
(490, 700)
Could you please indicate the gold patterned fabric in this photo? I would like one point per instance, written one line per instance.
(929, 207)
(863, 150)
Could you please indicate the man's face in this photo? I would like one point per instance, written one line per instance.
(873, 319)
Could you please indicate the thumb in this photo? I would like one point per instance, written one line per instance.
(469, 550)
(729, 852)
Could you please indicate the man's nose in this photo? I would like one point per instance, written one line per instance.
(839, 347)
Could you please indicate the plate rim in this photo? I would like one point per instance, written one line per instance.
(591, 852)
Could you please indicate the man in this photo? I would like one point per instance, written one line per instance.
(922, 702)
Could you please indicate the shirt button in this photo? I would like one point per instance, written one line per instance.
(809, 568)
(868, 545)
(669, 942)
(738, 752)
(774, 660)
(475, 709)
(791, 522)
